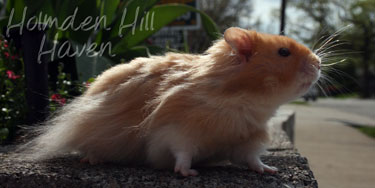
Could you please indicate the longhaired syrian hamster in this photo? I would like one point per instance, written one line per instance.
(181, 110)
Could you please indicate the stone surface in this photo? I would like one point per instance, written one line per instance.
(67, 171)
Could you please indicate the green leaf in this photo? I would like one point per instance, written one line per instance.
(65, 8)
(163, 15)
(108, 9)
(4, 132)
(3, 22)
(17, 6)
(34, 7)
(128, 11)
(90, 67)
(90, 80)
(85, 10)
(139, 51)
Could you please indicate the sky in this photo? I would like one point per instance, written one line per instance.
(264, 9)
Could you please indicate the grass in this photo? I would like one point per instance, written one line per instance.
(299, 103)
(346, 96)
(369, 131)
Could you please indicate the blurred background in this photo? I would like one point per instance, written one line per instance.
(50, 52)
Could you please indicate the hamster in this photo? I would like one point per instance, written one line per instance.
(179, 111)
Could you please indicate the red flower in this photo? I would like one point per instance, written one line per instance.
(62, 101)
(57, 98)
(5, 45)
(6, 54)
(87, 84)
(12, 75)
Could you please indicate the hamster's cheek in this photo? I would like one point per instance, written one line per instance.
(307, 75)
(271, 82)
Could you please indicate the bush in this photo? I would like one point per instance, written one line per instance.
(12, 89)
(13, 106)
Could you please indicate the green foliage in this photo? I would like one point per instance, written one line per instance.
(356, 44)
(13, 107)
(369, 131)
(121, 24)
(299, 102)
(12, 89)
(347, 96)
(164, 14)
(127, 42)
(66, 89)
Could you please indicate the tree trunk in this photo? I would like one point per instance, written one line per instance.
(365, 61)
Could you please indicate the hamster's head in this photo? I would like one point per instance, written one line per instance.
(272, 64)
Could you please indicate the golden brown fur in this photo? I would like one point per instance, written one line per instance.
(183, 109)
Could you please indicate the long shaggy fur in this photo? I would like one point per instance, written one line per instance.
(152, 110)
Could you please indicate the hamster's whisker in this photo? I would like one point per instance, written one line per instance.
(333, 51)
(327, 65)
(331, 37)
(337, 53)
(322, 89)
(343, 75)
(341, 89)
(317, 42)
(322, 38)
(328, 80)
(330, 62)
(141, 105)
(333, 45)
(326, 42)
(330, 58)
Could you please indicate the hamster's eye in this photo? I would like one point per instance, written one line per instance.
(284, 52)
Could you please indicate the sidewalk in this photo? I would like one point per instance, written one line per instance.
(339, 155)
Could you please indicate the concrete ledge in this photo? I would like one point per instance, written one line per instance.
(284, 119)
(294, 171)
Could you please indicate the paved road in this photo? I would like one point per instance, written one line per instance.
(339, 155)
(356, 106)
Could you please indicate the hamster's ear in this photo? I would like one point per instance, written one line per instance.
(241, 42)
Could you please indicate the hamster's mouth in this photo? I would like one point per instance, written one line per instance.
(307, 79)
(304, 87)
(309, 74)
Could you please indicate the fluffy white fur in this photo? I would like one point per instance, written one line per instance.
(180, 110)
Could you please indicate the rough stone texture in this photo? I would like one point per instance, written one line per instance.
(67, 171)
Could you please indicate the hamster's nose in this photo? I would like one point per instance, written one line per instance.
(316, 62)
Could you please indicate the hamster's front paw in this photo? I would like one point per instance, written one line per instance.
(258, 166)
(183, 164)
(185, 171)
(264, 168)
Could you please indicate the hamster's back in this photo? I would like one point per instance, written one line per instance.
(102, 124)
